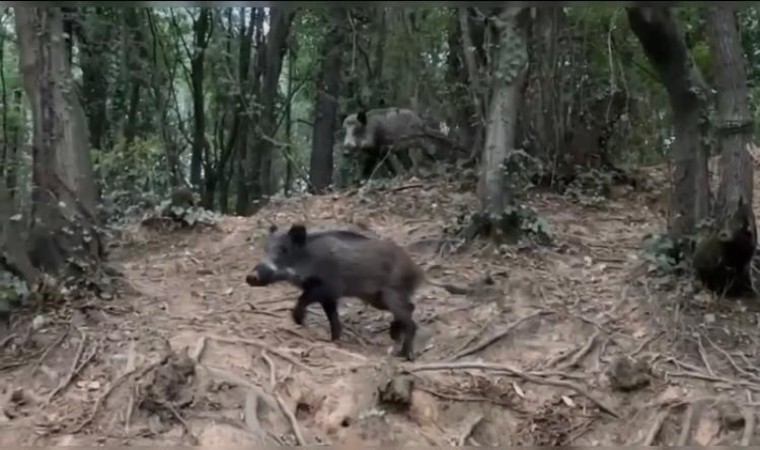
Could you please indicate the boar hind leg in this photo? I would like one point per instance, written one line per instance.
(403, 325)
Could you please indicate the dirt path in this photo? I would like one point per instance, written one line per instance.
(561, 316)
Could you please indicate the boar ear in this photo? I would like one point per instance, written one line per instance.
(381, 102)
(272, 228)
(362, 117)
(297, 234)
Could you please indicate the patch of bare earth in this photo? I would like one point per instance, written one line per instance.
(563, 345)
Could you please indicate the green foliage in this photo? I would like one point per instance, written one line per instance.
(131, 177)
(664, 255)
(13, 293)
(590, 187)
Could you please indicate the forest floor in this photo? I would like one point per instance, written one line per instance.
(188, 353)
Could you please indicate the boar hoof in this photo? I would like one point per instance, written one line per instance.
(298, 316)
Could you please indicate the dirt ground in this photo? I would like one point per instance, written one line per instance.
(570, 344)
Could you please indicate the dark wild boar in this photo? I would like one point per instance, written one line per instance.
(376, 130)
(329, 265)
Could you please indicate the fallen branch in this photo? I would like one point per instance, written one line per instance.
(74, 368)
(518, 373)
(493, 339)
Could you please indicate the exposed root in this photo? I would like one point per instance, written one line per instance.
(262, 346)
(580, 354)
(468, 430)
(659, 420)
(47, 351)
(99, 402)
(75, 367)
(520, 374)
(292, 419)
(749, 427)
(498, 336)
(688, 416)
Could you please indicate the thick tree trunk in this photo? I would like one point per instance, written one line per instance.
(63, 213)
(737, 236)
(663, 42)
(511, 65)
(326, 109)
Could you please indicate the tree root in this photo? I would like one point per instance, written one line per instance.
(520, 374)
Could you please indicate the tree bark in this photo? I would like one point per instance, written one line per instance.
(95, 77)
(326, 108)
(260, 163)
(198, 57)
(663, 43)
(510, 69)
(63, 210)
(735, 218)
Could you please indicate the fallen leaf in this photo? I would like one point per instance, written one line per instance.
(568, 401)
(518, 390)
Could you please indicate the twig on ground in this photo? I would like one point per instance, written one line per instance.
(498, 336)
(732, 361)
(472, 339)
(520, 374)
(292, 419)
(715, 379)
(272, 369)
(656, 427)
(644, 344)
(703, 354)
(262, 346)
(102, 398)
(47, 351)
(579, 430)
(580, 354)
(468, 430)
(683, 438)
(470, 399)
(73, 370)
(749, 427)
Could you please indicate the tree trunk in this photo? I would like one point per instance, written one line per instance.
(248, 180)
(95, 77)
(63, 212)
(663, 43)
(200, 28)
(289, 124)
(326, 108)
(274, 53)
(512, 65)
(729, 269)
